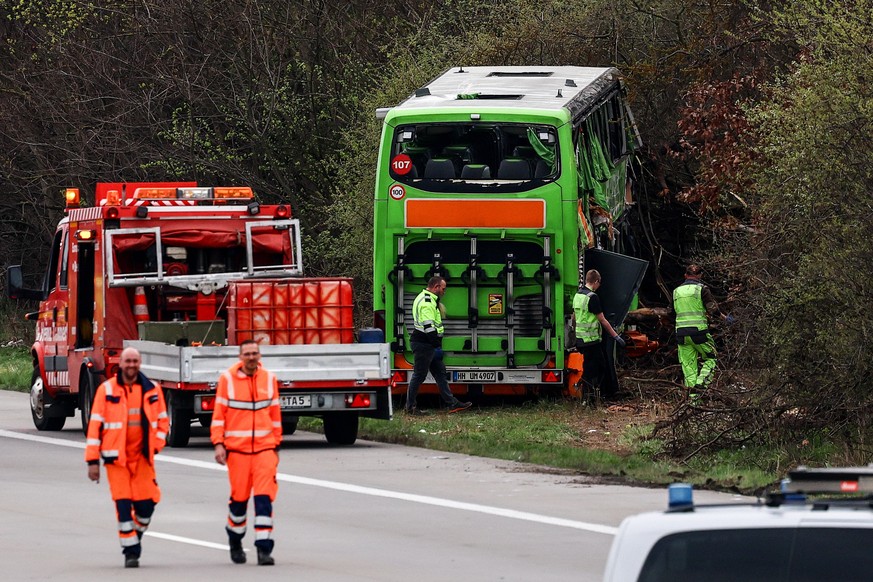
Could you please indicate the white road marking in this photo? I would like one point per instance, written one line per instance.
(372, 491)
(191, 541)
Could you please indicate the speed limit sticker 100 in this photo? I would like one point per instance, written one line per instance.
(397, 191)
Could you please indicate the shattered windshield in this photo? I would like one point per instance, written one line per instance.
(457, 157)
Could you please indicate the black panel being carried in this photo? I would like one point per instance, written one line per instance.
(621, 277)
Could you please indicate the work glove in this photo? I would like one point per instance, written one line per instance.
(729, 319)
(438, 354)
(620, 340)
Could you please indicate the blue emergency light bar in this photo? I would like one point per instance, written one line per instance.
(680, 495)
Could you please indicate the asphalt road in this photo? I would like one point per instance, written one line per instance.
(368, 512)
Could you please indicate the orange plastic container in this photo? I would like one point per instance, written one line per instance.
(291, 311)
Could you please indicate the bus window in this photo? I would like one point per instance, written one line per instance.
(455, 157)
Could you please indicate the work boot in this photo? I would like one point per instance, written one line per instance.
(264, 558)
(237, 554)
(131, 561)
(459, 406)
(415, 412)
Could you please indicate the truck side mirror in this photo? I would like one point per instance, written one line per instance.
(15, 286)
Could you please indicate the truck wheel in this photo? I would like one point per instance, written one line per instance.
(341, 429)
(289, 425)
(87, 389)
(180, 420)
(40, 404)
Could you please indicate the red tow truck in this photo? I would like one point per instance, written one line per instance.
(184, 273)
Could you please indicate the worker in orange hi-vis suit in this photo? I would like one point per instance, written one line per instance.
(128, 426)
(247, 432)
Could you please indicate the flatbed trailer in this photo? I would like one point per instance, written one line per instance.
(340, 384)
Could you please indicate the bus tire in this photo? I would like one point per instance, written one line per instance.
(180, 419)
(341, 428)
(41, 405)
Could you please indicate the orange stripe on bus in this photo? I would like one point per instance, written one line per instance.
(475, 213)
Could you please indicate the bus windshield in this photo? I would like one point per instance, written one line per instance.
(475, 157)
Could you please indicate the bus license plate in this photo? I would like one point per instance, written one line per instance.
(295, 400)
(474, 376)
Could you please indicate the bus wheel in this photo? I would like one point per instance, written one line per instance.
(41, 405)
(180, 419)
(341, 428)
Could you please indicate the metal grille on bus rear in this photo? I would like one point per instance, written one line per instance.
(528, 319)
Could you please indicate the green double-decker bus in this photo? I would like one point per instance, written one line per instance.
(508, 182)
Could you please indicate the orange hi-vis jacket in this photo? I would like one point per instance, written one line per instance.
(107, 429)
(247, 416)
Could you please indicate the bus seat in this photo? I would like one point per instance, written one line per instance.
(440, 169)
(461, 152)
(542, 170)
(420, 155)
(418, 152)
(513, 169)
(526, 152)
(476, 172)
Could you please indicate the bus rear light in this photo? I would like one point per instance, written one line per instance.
(207, 403)
(357, 401)
(551, 376)
(398, 377)
(282, 211)
(71, 195)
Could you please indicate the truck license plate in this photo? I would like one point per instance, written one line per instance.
(295, 400)
(474, 376)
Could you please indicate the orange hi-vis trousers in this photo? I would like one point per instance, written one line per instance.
(135, 491)
(252, 474)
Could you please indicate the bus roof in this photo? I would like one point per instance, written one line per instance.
(527, 87)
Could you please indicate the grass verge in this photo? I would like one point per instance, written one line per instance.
(16, 368)
(552, 434)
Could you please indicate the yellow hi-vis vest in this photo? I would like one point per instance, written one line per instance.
(426, 316)
(588, 328)
(688, 303)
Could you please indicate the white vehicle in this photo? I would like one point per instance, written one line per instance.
(819, 527)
